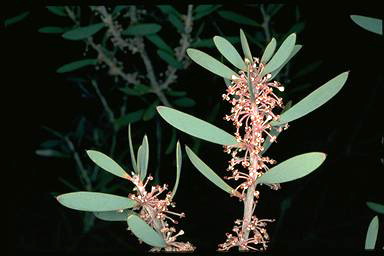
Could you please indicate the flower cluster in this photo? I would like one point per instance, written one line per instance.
(154, 211)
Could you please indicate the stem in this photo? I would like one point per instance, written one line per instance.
(265, 25)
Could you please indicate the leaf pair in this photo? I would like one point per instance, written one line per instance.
(139, 164)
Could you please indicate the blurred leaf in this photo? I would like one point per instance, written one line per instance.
(245, 46)
(169, 58)
(229, 52)
(132, 117)
(57, 10)
(379, 208)
(106, 163)
(142, 29)
(56, 133)
(368, 23)
(172, 143)
(150, 111)
(184, 102)
(142, 158)
(159, 42)
(15, 19)
(137, 90)
(119, 8)
(68, 184)
(131, 151)
(269, 51)
(207, 172)
(293, 168)
(50, 143)
(297, 28)
(145, 232)
(51, 153)
(307, 69)
(176, 22)
(210, 63)
(94, 201)
(52, 30)
(373, 229)
(195, 126)
(179, 161)
(281, 55)
(83, 32)
(314, 100)
(272, 9)
(203, 10)
(237, 18)
(227, 82)
(295, 50)
(203, 43)
(199, 30)
(168, 9)
(173, 93)
(114, 215)
(76, 65)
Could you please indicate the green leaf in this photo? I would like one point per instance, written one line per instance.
(208, 43)
(169, 58)
(379, 208)
(179, 161)
(52, 30)
(106, 163)
(203, 10)
(314, 100)
(50, 143)
(119, 8)
(184, 102)
(137, 90)
(176, 22)
(368, 23)
(173, 93)
(207, 172)
(229, 52)
(168, 9)
(297, 28)
(51, 153)
(227, 82)
(159, 42)
(142, 29)
(76, 65)
(150, 111)
(15, 19)
(293, 168)
(281, 55)
(269, 51)
(272, 9)
(142, 158)
(172, 142)
(237, 18)
(295, 50)
(145, 232)
(210, 63)
(83, 32)
(114, 215)
(95, 201)
(373, 229)
(131, 151)
(195, 126)
(57, 10)
(245, 46)
(132, 117)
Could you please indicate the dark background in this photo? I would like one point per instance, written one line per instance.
(326, 210)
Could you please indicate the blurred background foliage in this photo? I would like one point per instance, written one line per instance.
(82, 73)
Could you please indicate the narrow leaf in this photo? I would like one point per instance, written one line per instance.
(269, 51)
(373, 229)
(145, 232)
(207, 172)
(159, 42)
(95, 201)
(184, 102)
(119, 215)
(314, 100)
(52, 30)
(172, 143)
(76, 65)
(203, 10)
(150, 111)
(131, 151)
(368, 23)
(143, 157)
(169, 58)
(137, 90)
(379, 208)
(176, 22)
(229, 52)
(83, 32)
(51, 153)
(142, 29)
(195, 126)
(15, 19)
(132, 117)
(57, 10)
(211, 64)
(106, 163)
(208, 43)
(293, 168)
(173, 93)
(245, 46)
(179, 161)
(237, 18)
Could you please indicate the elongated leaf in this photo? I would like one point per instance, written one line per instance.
(137, 90)
(245, 46)
(52, 30)
(229, 52)
(131, 151)
(119, 215)
(143, 157)
(208, 43)
(173, 93)
(179, 161)
(145, 232)
(57, 10)
(15, 19)
(132, 117)
(373, 229)
(83, 32)
(51, 153)
(159, 42)
(176, 22)
(142, 29)
(207, 172)
(169, 58)
(138, 160)
(295, 50)
(106, 163)
(237, 18)
(150, 111)
(95, 201)
(168, 9)
(203, 10)
(281, 55)
(314, 100)
(269, 51)
(379, 208)
(184, 102)
(210, 63)
(368, 23)
(293, 168)
(76, 65)
(172, 143)
(195, 126)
